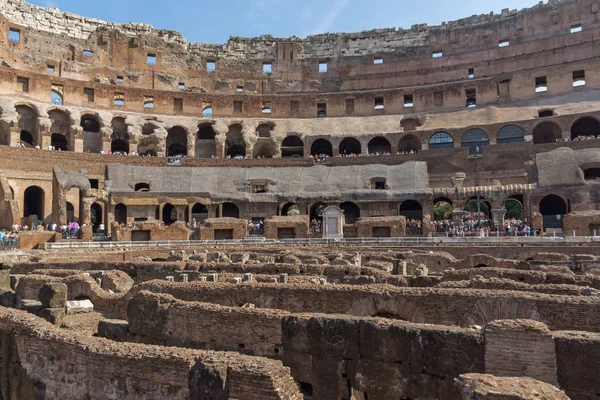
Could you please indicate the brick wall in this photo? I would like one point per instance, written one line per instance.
(42, 361)
(520, 348)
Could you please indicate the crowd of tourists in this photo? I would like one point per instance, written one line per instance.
(578, 138)
(315, 226)
(414, 227)
(256, 228)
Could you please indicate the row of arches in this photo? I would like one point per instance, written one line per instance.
(168, 213)
(292, 146)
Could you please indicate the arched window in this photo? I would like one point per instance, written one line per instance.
(142, 187)
(351, 212)
(207, 113)
(475, 139)
(510, 134)
(177, 142)
(121, 213)
(379, 145)
(441, 140)
(585, 128)
(316, 211)
(33, 202)
(321, 146)
(546, 132)
(56, 98)
(350, 146)
(292, 146)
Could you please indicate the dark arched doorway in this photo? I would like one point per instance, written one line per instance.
(475, 139)
(350, 147)
(546, 132)
(177, 142)
(411, 209)
(351, 212)
(585, 128)
(316, 211)
(230, 210)
(379, 146)
(553, 209)
(199, 212)
(409, 144)
(33, 202)
(59, 142)
(96, 216)
(292, 146)
(321, 146)
(169, 214)
(26, 139)
(206, 145)
(121, 213)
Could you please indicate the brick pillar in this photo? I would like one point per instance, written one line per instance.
(520, 348)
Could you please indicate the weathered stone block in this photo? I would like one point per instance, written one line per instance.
(5, 279)
(115, 329)
(79, 307)
(383, 340)
(31, 306)
(8, 298)
(53, 295)
(55, 316)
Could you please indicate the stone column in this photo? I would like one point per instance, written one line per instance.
(498, 217)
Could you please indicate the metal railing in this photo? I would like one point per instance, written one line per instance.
(330, 242)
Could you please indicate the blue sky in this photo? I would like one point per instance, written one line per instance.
(214, 21)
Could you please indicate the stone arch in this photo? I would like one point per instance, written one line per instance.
(34, 202)
(148, 128)
(546, 132)
(90, 122)
(350, 146)
(510, 134)
(289, 209)
(61, 121)
(264, 148)
(553, 205)
(206, 145)
(148, 146)
(379, 145)
(28, 124)
(441, 140)
(292, 146)
(396, 307)
(485, 206)
(169, 214)
(351, 211)
(199, 212)
(229, 210)
(96, 215)
(585, 126)
(59, 141)
(321, 146)
(409, 143)
(490, 309)
(442, 208)
(511, 212)
(177, 141)
(121, 213)
(264, 130)
(235, 145)
(316, 209)
(411, 209)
